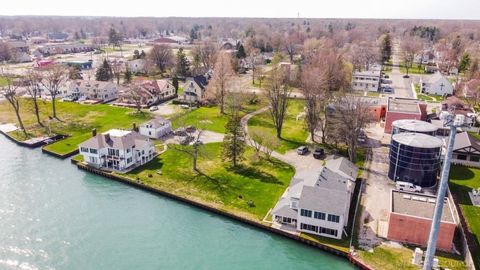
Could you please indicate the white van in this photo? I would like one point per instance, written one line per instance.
(406, 186)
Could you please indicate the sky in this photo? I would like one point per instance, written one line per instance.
(398, 9)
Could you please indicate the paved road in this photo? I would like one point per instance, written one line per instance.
(400, 85)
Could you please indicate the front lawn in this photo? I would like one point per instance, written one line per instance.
(426, 97)
(76, 121)
(294, 133)
(208, 118)
(415, 69)
(463, 180)
(389, 258)
(259, 182)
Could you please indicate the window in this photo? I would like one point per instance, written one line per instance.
(319, 215)
(333, 218)
(129, 160)
(475, 158)
(328, 231)
(84, 149)
(128, 150)
(150, 133)
(93, 151)
(305, 213)
(93, 159)
(309, 227)
(462, 157)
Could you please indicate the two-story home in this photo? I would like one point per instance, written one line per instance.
(117, 150)
(368, 80)
(156, 128)
(194, 89)
(92, 90)
(318, 202)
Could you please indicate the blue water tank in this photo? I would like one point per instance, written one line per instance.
(415, 158)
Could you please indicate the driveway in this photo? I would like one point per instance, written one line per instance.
(206, 137)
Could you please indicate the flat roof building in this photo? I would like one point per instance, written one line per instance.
(410, 220)
(404, 108)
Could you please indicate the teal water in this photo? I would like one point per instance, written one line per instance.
(54, 216)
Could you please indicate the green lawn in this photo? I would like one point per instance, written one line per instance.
(425, 97)
(219, 185)
(3, 81)
(76, 120)
(415, 69)
(389, 258)
(462, 180)
(294, 132)
(208, 118)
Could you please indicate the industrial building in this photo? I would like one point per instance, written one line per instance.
(410, 220)
(404, 108)
(415, 158)
(413, 126)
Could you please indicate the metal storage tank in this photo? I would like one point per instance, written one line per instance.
(413, 126)
(415, 158)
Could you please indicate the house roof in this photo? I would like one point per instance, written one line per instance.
(157, 122)
(343, 166)
(464, 139)
(117, 139)
(201, 81)
(323, 200)
(282, 208)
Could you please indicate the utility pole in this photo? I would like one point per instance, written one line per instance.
(454, 122)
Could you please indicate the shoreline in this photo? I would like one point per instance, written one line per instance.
(347, 255)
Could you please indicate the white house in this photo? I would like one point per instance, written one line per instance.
(137, 66)
(194, 89)
(166, 90)
(318, 202)
(94, 90)
(466, 150)
(368, 80)
(436, 84)
(156, 128)
(117, 150)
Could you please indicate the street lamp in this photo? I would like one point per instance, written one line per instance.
(453, 122)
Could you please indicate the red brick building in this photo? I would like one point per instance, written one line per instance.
(411, 217)
(404, 108)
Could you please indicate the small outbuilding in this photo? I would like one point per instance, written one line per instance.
(156, 128)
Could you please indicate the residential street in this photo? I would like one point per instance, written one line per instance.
(400, 85)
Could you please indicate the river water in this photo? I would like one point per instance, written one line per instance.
(54, 216)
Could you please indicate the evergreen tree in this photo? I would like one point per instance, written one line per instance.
(104, 73)
(464, 63)
(234, 141)
(386, 47)
(175, 84)
(142, 54)
(136, 54)
(183, 65)
(241, 52)
(128, 76)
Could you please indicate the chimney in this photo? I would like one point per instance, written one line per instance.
(94, 132)
(107, 137)
(134, 127)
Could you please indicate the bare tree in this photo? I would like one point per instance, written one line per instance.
(9, 91)
(410, 48)
(269, 145)
(206, 54)
(195, 150)
(256, 140)
(313, 89)
(351, 115)
(137, 95)
(277, 93)
(32, 85)
(117, 69)
(290, 42)
(222, 75)
(53, 78)
(252, 54)
(162, 56)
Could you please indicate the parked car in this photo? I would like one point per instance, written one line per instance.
(406, 186)
(406, 76)
(153, 108)
(318, 153)
(386, 76)
(302, 150)
(387, 89)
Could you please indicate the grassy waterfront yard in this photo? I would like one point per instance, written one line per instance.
(259, 182)
(208, 118)
(390, 258)
(294, 133)
(462, 180)
(76, 120)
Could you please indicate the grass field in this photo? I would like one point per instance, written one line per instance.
(261, 182)
(415, 69)
(76, 120)
(3, 81)
(294, 132)
(389, 258)
(425, 97)
(462, 180)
